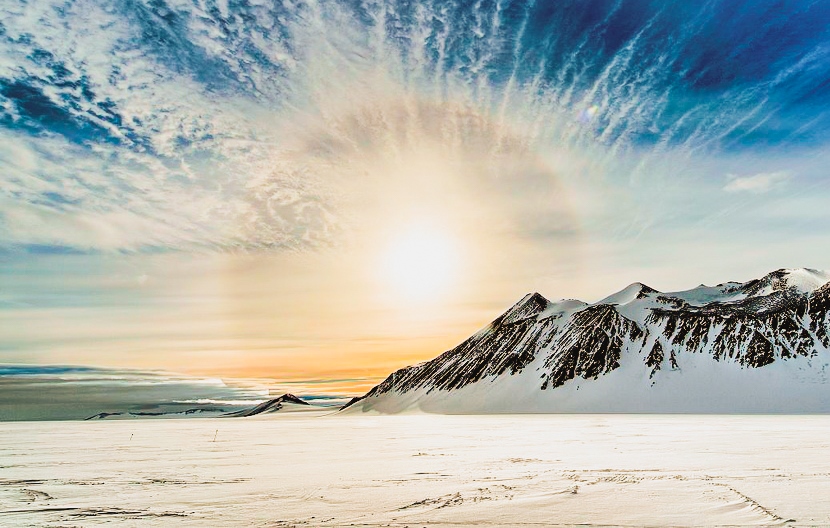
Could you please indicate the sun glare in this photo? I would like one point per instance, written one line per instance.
(419, 263)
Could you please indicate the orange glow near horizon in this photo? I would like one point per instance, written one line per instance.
(330, 322)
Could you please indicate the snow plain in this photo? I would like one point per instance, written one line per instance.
(307, 469)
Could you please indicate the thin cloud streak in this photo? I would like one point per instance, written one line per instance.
(189, 140)
(757, 183)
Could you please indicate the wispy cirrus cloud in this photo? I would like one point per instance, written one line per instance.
(148, 125)
(551, 139)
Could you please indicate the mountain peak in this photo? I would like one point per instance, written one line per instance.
(799, 280)
(272, 405)
(290, 398)
(528, 306)
(635, 290)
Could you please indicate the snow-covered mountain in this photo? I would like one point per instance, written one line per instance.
(758, 346)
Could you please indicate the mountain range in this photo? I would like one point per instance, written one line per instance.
(754, 347)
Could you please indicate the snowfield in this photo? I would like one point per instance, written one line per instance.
(415, 470)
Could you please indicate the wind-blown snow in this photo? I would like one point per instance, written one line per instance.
(419, 470)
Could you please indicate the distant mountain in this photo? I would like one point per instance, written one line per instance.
(758, 346)
(195, 411)
(285, 403)
(270, 406)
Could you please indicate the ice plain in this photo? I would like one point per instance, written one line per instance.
(309, 469)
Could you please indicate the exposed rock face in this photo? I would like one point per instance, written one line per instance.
(507, 345)
(783, 315)
(590, 345)
(818, 312)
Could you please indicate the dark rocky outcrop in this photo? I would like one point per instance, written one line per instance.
(591, 345)
(273, 405)
(508, 344)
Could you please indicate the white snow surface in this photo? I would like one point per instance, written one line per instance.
(626, 295)
(418, 471)
(802, 280)
(563, 308)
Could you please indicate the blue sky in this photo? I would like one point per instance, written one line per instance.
(188, 182)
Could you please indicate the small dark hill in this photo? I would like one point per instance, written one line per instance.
(269, 406)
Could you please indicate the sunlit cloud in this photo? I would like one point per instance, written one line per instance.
(177, 126)
(258, 167)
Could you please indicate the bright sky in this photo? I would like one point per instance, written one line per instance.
(329, 191)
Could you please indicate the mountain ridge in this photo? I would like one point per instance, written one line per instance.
(776, 327)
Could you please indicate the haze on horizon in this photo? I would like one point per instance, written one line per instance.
(321, 192)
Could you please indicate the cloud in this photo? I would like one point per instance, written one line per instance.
(760, 183)
(55, 392)
(157, 125)
(60, 392)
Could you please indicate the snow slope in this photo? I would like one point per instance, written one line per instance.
(755, 347)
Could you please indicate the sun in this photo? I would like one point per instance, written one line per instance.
(419, 263)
